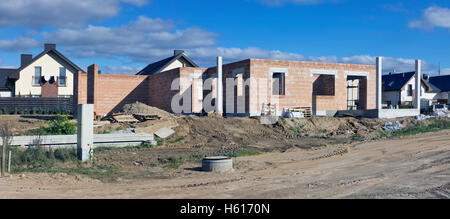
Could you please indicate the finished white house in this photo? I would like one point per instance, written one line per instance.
(49, 74)
(441, 86)
(399, 91)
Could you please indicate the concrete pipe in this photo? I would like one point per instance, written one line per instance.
(217, 164)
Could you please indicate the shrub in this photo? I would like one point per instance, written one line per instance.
(61, 125)
(64, 110)
(36, 157)
(64, 154)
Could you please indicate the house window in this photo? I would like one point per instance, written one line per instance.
(324, 85)
(410, 90)
(37, 76)
(278, 84)
(62, 77)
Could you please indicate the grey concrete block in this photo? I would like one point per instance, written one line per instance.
(164, 132)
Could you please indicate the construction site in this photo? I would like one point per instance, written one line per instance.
(311, 157)
(248, 129)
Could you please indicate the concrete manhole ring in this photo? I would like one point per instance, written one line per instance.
(217, 164)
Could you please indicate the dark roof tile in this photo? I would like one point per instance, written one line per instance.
(395, 82)
(160, 65)
(441, 82)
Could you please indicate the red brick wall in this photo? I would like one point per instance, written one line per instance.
(160, 93)
(79, 90)
(109, 93)
(299, 84)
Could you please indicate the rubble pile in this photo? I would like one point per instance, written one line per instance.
(138, 112)
(392, 126)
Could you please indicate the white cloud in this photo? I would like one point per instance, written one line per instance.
(433, 17)
(19, 45)
(59, 13)
(127, 70)
(143, 40)
(206, 57)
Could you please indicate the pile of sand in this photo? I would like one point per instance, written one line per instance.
(142, 109)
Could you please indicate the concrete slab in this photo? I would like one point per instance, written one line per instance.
(100, 140)
(164, 132)
(157, 126)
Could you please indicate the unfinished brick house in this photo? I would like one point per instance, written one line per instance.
(247, 86)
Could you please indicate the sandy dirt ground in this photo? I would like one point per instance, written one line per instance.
(411, 167)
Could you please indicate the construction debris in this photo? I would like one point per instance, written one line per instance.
(144, 112)
(138, 112)
(291, 114)
(392, 126)
(307, 112)
(157, 126)
(164, 132)
(122, 118)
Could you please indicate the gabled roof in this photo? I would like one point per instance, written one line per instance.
(441, 82)
(16, 74)
(157, 67)
(4, 74)
(395, 82)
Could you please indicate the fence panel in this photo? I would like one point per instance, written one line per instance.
(20, 105)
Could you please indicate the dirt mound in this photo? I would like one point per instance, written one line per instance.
(141, 109)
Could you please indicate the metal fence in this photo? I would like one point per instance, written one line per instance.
(21, 105)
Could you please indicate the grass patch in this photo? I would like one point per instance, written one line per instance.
(143, 145)
(172, 162)
(356, 137)
(62, 160)
(176, 140)
(434, 126)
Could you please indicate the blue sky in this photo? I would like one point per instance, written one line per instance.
(123, 36)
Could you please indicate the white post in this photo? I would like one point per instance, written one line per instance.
(417, 85)
(219, 96)
(379, 95)
(85, 135)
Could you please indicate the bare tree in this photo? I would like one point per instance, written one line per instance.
(6, 134)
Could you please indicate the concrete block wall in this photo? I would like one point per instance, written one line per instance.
(109, 93)
(79, 90)
(299, 84)
(161, 93)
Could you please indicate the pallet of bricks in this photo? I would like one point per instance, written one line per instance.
(307, 112)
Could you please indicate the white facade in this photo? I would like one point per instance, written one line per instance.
(50, 65)
(177, 64)
(402, 96)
